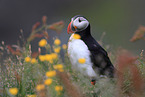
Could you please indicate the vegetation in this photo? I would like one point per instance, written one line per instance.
(24, 73)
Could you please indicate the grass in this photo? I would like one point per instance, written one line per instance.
(24, 73)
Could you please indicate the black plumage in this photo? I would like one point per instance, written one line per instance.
(99, 57)
(100, 62)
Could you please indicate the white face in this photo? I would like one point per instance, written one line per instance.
(80, 23)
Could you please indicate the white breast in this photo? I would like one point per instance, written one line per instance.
(78, 49)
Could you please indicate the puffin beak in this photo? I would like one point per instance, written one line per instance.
(93, 82)
(69, 30)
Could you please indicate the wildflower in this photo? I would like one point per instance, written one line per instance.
(58, 88)
(51, 61)
(59, 66)
(57, 42)
(50, 73)
(57, 26)
(139, 34)
(55, 66)
(34, 54)
(14, 52)
(35, 26)
(45, 33)
(40, 87)
(54, 55)
(33, 60)
(76, 36)
(48, 57)
(64, 46)
(42, 42)
(57, 50)
(128, 71)
(31, 95)
(41, 57)
(61, 70)
(38, 35)
(48, 81)
(27, 59)
(82, 60)
(13, 91)
(44, 19)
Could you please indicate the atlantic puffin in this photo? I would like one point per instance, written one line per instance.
(97, 62)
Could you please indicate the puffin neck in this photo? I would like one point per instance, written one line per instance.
(84, 33)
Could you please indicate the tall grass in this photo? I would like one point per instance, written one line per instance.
(24, 73)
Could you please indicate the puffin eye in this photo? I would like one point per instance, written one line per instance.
(79, 20)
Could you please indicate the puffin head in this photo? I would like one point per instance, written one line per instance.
(78, 23)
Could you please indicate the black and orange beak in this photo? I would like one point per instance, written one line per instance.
(93, 82)
(69, 30)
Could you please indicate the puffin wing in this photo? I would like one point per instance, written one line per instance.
(100, 59)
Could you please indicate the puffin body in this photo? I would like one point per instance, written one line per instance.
(97, 60)
(78, 49)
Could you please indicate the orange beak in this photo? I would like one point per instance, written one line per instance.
(69, 30)
(93, 82)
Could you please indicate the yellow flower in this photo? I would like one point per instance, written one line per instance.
(57, 50)
(48, 81)
(64, 46)
(61, 70)
(58, 88)
(13, 91)
(57, 42)
(59, 66)
(54, 55)
(42, 42)
(76, 36)
(40, 87)
(33, 60)
(31, 95)
(55, 66)
(82, 60)
(27, 59)
(50, 73)
(48, 57)
(41, 57)
(51, 61)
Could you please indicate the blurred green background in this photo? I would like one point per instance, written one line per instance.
(118, 18)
